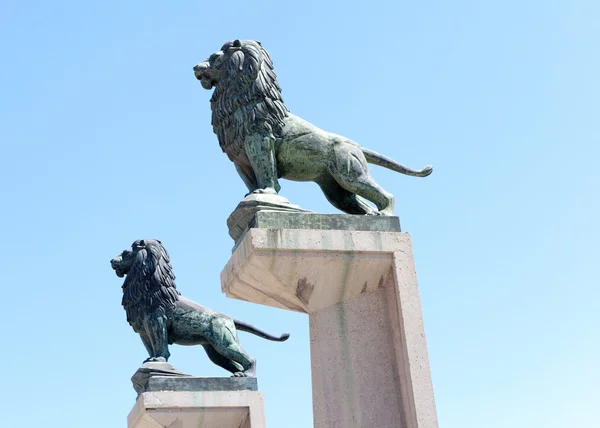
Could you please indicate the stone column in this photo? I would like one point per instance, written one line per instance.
(192, 402)
(355, 277)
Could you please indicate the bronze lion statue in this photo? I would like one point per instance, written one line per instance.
(266, 142)
(161, 316)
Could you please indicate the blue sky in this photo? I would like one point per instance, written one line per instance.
(106, 138)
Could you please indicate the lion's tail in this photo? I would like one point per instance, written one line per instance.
(248, 328)
(377, 159)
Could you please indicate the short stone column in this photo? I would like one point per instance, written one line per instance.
(355, 277)
(191, 402)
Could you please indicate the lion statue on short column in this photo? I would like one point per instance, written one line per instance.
(266, 142)
(161, 316)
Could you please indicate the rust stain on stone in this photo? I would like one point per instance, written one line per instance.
(304, 290)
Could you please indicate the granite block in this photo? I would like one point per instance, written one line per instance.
(202, 384)
(280, 220)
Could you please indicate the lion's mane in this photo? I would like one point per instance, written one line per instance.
(150, 284)
(246, 100)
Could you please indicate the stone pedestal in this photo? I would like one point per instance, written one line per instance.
(242, 217)
(192, 402)
(357, 282)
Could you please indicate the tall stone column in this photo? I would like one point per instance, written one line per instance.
(355, 277)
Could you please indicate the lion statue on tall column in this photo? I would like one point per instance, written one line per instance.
(266, 142)
(161, 316)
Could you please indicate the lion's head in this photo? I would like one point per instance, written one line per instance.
(150, 282)
(247, 97)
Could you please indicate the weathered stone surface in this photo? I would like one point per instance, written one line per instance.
(242, 217)
(198, 409)
(369, 359)
(152, 369)
(275, 220)
(170, 383)
(155, 376)
(308, 270)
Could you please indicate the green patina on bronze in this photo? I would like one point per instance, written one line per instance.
(161, 316)
(266, 142)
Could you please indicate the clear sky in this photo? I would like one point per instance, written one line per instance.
(105, 138)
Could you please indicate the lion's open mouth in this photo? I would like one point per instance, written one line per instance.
(116, 265)
(207, 82)
(207, 76)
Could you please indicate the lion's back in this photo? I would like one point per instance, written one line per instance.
(305, 150)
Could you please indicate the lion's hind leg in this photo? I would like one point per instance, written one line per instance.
(343, 199)
(351, 171)
(221, 361)
(234, 352)
(224, 341)
(369, 189)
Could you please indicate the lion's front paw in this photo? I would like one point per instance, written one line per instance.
(266, 190)
(155, 360)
